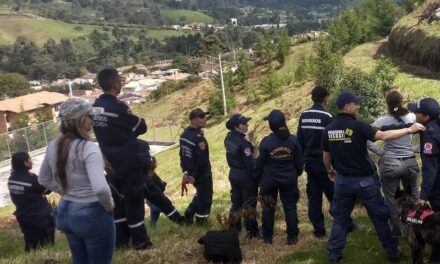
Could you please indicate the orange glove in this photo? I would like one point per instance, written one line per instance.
(183, 188)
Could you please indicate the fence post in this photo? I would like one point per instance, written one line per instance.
(9, 148)
(171, 130)
(44, 133)
(27, 140)
(154, 129)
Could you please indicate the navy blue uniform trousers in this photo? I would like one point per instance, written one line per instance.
(244, 195)
(318, 184)
(38, 231)
(289, 196)
(367, 190)
(200, 206)
(435, 204)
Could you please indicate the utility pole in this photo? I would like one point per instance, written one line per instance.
(70, 88)
(225, 109)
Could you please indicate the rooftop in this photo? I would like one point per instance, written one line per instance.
(32, 101)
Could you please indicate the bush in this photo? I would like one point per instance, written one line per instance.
(385, 72)
(366, 85)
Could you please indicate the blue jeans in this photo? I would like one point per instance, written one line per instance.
(89, 229)
(366, 189)
(154, 214)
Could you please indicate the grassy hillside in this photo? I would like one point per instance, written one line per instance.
(177, 16)
(417, 43)
(174, 244)
(41, 29)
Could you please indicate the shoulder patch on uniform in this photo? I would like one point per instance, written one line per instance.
(427, 148)
(202, 145)
(248, 152)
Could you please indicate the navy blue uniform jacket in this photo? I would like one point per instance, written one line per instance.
(116, 130)
(312, 123)
(194, 154)
(239, 154)
(430, 153)
(27, 194)
(280, 160)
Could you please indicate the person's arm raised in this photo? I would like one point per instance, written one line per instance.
(393, 134)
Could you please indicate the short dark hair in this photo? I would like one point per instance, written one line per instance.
(18, 159)
(107, 79)
(319, 93)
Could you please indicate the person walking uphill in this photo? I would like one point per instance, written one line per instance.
(196, 167)
(311, 125)
(116, 130)
(428, 113)
(74, 167)
(278, 167)
(348, 164)
(244, 187)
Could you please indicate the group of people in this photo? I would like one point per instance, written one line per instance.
(103, 186)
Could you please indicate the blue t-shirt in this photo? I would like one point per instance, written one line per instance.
(346, 139)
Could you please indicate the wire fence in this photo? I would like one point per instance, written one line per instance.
(37, 136)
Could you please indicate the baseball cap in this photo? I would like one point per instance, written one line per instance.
(275, 116)
(197, 113)
(346, 98)
(235, 120)
(426, 106)
(75, 107)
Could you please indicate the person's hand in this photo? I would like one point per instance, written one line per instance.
(191, 179)
(416, 127)
(331, 175)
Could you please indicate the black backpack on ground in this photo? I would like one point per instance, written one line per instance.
(222, 246)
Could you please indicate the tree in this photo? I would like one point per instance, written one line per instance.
(21, 120)
(385, 72)
(43, 115)
(271, 86)
(13, 85)
(210, 45)
(244, 70)
(186, 64)
(283, 46)
(215, 101)
(327, 67)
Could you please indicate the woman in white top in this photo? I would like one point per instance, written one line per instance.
(398, 162)
(74, 168)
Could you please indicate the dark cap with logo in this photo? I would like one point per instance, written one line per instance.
(236, 120)
(346, 98)
(195, 113)
(426, 106)
(276, 116)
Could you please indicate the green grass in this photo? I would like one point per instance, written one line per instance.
(178, 16)
(40, 30)
(413, 87)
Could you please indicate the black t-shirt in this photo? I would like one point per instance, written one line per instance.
(346, 139)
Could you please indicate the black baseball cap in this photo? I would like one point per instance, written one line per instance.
(346, 98)
(426, 106)
(275, 116)
(195, 113)
(235, 120)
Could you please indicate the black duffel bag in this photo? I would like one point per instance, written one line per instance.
(222, 246)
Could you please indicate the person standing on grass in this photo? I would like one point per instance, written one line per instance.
(348, 164)
(116, 129)
(428, 113)
(244, 187)
(278, 167)
(33, 211)
(398, 162)
(74, 167)
(196, 167)
(311, 125)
